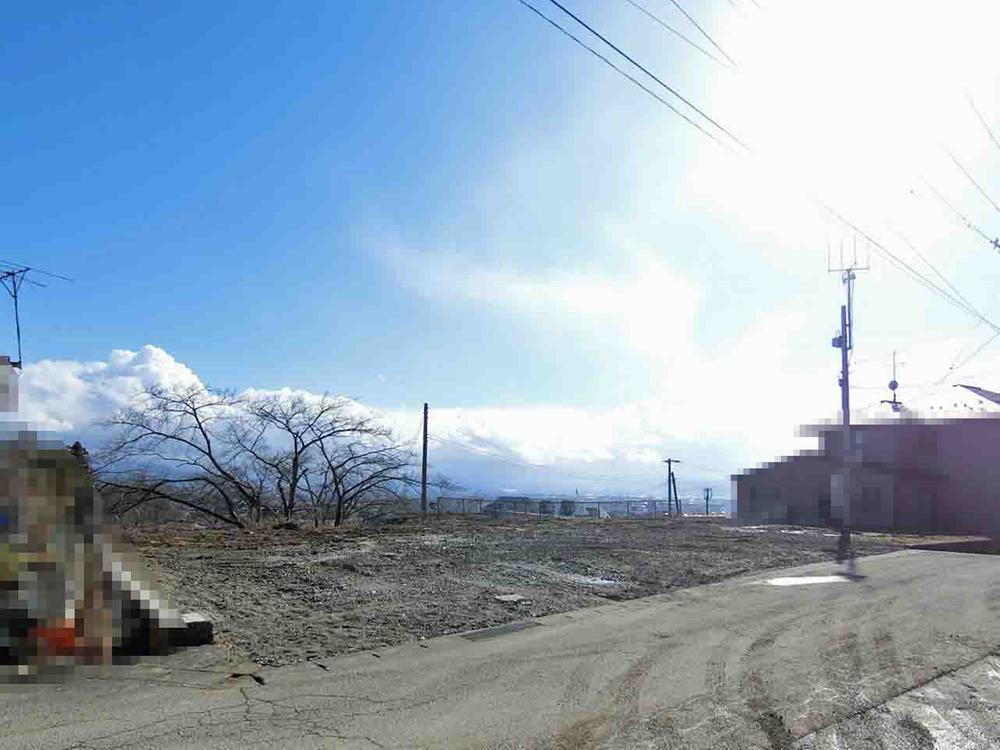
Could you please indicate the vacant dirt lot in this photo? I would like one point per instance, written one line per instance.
(280, 596)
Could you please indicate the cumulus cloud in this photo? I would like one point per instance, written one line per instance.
(615, 446)
(861, 130)
(543, 448)
(67, 396)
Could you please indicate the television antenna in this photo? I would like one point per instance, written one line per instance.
(13, 276)
(847, 277)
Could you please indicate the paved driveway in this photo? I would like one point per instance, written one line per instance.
(798, 657)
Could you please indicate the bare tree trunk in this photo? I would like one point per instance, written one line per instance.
(338, 517)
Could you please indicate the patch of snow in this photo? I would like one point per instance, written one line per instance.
(805, 580)
(589, 580)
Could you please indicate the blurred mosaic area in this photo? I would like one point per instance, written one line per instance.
(70, 592)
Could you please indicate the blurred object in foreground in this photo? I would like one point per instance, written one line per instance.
(8, 386)
(69, 591)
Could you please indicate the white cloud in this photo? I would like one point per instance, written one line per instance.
(630, 304)
(593, 224)
(853, 103)
(66, 395)
(716, 424)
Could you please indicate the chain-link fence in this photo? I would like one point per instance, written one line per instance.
(562, 507)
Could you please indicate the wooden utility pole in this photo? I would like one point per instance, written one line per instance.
(672, 497)
(423, 470)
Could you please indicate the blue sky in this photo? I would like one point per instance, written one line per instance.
(207, 176)
(212, 180)
(408, 201)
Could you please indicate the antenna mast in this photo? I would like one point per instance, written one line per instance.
(13, 276)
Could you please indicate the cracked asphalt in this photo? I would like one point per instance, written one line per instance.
(904, 657)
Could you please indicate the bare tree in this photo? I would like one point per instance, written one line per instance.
(360, 475)
(283, 434)
(240, 459)
(170, 445)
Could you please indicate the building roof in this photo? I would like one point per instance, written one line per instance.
(982, 392)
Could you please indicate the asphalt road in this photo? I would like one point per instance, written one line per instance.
(899, 658)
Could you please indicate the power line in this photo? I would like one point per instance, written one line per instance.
(973, 181)
(893, 259)
(933, 268)
(703, 32)
(902, 265)
(641, 67)
(677, 33)
(965, 220)
(968, 359)
(983, 121)
(618, 70)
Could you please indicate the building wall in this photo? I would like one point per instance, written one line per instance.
(947, 474)
(968, 453)
(789, 491)
(873, 499)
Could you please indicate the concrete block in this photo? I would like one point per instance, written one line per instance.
(197, 631)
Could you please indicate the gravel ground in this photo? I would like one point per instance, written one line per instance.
(279, 596)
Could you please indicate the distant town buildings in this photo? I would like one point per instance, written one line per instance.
(571, 506)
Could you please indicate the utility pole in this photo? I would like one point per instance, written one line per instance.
(845, 342)
(845, 374)
(423, 470)
(708, 496)
(672, 487)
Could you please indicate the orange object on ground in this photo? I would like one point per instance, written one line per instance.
(58, 640)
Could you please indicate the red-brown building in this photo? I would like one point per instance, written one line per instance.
(907, 474)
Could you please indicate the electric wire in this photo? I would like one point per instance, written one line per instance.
(621, 72)
(954, 368)
(644, 69)
(965, 220)
(677, 33)
(703, 32)
(905, 267)
(985, 124)
(973, 181)
(891, 257)
(939, 274)
(954, 363)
